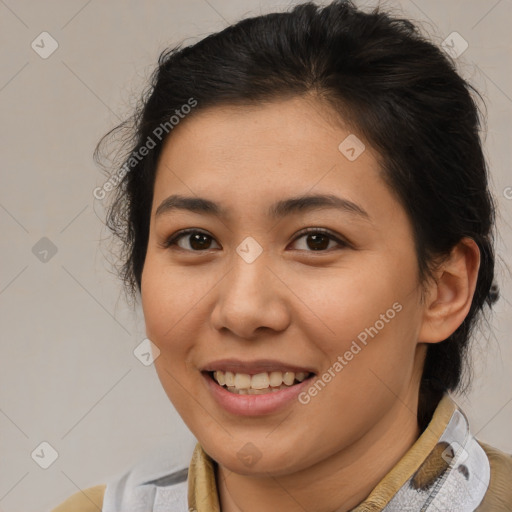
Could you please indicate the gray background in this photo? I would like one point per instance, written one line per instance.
(68, 373)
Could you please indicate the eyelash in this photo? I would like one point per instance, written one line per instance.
(180, 234)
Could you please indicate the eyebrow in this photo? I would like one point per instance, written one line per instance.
(279, 209)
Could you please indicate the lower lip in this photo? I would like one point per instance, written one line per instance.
(254, 405)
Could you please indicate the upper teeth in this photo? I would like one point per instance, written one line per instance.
(258, 381)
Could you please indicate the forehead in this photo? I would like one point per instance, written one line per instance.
(269, 126)
(282, 138)
(260, 154)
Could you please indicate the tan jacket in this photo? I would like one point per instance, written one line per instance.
(417, 466)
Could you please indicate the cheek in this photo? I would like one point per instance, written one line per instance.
(166, 300)
(168, 296)
(370, 317)
(347, 302)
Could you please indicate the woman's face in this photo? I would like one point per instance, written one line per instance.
(248, 292)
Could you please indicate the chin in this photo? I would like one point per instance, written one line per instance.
(248, 460)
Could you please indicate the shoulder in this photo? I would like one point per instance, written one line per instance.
(88, 500)
(499, 495)
(157, 476)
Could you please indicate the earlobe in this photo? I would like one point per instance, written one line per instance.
(449, 296)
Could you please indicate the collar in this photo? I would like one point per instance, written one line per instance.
(445, 466)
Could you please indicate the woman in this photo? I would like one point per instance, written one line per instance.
(305, 213)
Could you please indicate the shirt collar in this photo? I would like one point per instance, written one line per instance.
(443, 446)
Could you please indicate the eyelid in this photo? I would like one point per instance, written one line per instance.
(333, 236)
(170, 241)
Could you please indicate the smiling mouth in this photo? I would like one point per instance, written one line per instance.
(258, 384)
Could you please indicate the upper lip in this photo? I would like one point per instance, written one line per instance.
(254, 367)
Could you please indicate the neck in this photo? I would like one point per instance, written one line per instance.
(339, 482)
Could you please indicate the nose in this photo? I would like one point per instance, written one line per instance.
(251, 300)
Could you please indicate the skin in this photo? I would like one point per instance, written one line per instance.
(293, 303)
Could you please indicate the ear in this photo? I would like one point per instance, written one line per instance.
(449, 295)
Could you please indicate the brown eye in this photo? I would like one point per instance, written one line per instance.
(318, 240)
(199, 241)
(192, 240)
